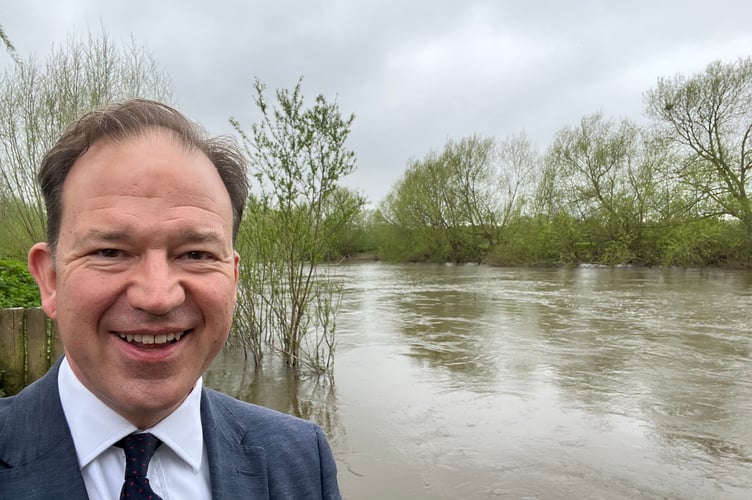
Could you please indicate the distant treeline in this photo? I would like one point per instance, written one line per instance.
(607, 191)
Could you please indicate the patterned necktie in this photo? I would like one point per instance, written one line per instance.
(139, 448)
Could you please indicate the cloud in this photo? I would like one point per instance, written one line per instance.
(414, 73)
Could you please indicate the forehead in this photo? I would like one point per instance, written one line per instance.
(154, 169)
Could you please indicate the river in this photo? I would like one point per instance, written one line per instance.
(474, 382)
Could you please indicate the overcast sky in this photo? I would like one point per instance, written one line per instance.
(415, 73)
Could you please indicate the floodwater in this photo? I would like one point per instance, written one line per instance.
(472, 382)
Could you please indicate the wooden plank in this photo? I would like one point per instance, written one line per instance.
(37, 343)
(12, 349)
(57, 343)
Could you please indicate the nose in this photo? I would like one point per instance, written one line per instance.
(155, 287)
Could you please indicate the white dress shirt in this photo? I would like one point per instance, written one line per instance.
(179, 468)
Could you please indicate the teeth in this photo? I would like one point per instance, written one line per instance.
(152, 339)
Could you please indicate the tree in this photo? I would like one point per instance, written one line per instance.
(609, 176)
(412, 218)
(518, 164)
(9, 45)
(588, 163)
(298, 155)
(37, 101)
(710, 116)
(346, 237)
(448, 202)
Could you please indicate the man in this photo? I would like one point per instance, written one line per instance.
(139, 271)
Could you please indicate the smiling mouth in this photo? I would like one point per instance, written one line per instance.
(163, 338)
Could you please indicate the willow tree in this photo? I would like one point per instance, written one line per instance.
(446, 206)
(709, 115)
(298, 155)
(609, 175)
(517, 172)
(9, 45)
(38, 100)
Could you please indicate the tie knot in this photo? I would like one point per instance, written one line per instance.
(139, 448)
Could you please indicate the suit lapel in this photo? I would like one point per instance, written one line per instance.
(39, 445)
(235, 469)
(56, 475)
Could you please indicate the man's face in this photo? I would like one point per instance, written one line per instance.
(144, 281)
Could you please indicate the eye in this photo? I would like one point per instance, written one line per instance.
(108, 253)
(197, 255)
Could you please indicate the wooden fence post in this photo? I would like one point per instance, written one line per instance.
(37, 343)
(57, 342)
(29, 345)
(12, 349)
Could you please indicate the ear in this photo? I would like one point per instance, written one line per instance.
(42, 269)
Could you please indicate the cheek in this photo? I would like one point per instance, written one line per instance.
(225, 306)
(222, 290)
(218, 308)
(82, 295)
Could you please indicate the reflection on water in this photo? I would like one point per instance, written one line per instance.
(273, 386)
(477, 382)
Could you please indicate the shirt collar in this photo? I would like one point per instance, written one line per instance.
(95, 426)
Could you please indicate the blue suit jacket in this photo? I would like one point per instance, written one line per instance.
(253, 452)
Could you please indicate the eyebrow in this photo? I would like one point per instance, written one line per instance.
(193, 236)
(106, 235)
(117, 235)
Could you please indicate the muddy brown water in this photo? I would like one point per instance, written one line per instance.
(472, 382)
